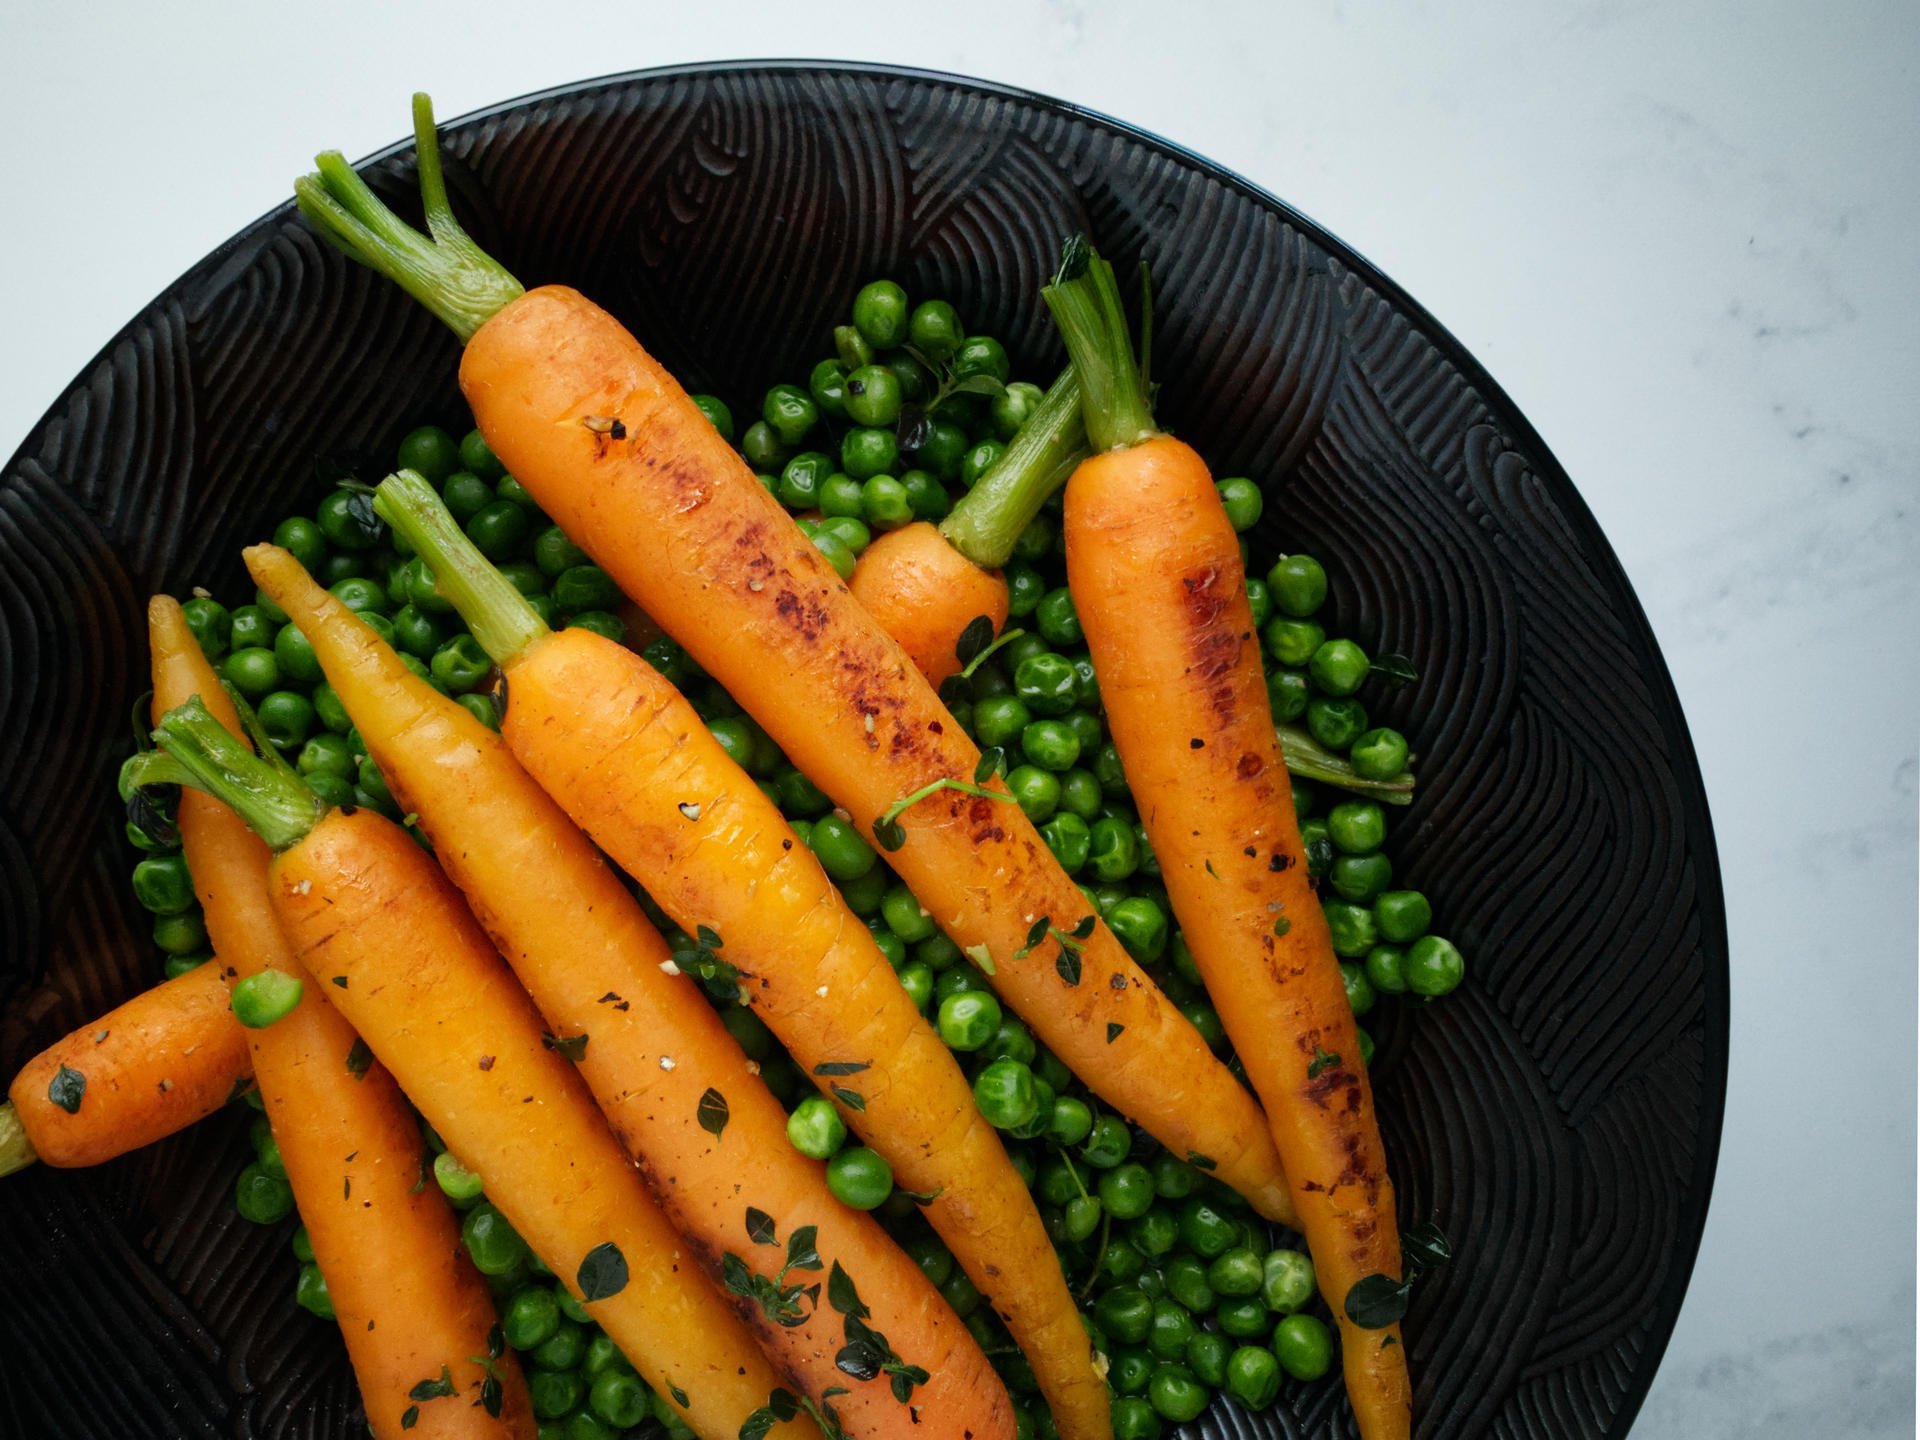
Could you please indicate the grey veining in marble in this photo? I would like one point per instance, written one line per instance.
(1681, 234)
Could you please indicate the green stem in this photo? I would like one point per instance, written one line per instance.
(442, 269)
(1046, 450)
(498, 614)
(1307, 758)
(276, 803)
(1085, 300)
(16, 1150)
(150, 768)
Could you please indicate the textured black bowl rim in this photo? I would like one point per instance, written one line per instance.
(1692, 786)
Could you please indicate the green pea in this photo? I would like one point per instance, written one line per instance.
(498, 528)
(1124, 1314)
(1359, 989)
(554, 553)
(1124, 1265)
(1127, 1190)
(271, 607)
(850, 531)
(1155, 1233)
(1129, 1369)
(874, 396)
(601, 622)
(179, 934)
(762, 448)
(1186, 1279)
(264, 997)
(881, 314)
(1242, 1318)
(1113, 851)
(1036, 791)
(1070, 1121)
(1259, 601)
(1434, 966)
(1050, 744)
(253, 671)
(1386, 968)
(937, 952)
(1243, 502)
(1069, 839)
(1108, 1144)
(1046, 683)
(211, 624)
(1177, 1394)
(163, 884)
(262, 1198)
(618, 1398)
(1172, 1329)
(466, 495)
(1173, 1178)
(859, 1177)
(969, 1020)
(1057, 620)
(461, 664)
(1293, 642)
(789, 413)
(302, 539)
(530, 1318)
(602, 1355)
(842, 853)
(1286, 1281)
(816, 1129)
(927, 498)
(981, 355)
(1006, 1094)
(495, 1246)
(414, 631)
(942, 449)
(477, 456)
(1135, 1419)
(1207, 1355)
(346, 518)
(1253, 1377)
(287, 716)
(1299, 585)
(1000, 719)
(1012, 407)
(1025, 590)
(978, 460)
(456, 1182)
(1336, 724)
(1303, 1347)
(584, 587)
(1359, 827)
(1352, 927)
(1360, 878)
(431, 451)
(554, 1393)
(563, 1349)
(1140, 925)
(865, 452)
(1402, 916)
(1206, 1229)
(1338, 667)
(1380, 754)
(310, 1292)
(250, 628)
(1235, 1273)
(885, 503)
(1035, 543)
(333, 790)
(916, 978)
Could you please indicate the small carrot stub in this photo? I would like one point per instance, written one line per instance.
(1155, 570)
(407, 1299)
(926, 593)
(683, 1097)
(154, 1065)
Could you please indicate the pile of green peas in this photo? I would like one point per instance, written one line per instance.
(1184, 1290)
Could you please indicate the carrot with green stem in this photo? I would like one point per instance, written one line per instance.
(629, 759)
(680, 1093)
(384, 935)
(615, 451)
(1161, 594)
(409, 1303)
(145, 1069)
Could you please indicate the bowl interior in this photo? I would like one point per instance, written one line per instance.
(1558, 1117)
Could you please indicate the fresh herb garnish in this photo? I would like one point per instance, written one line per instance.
(359, 1058)
(1323, 1060)
(841, 1067)
(887, 831)
(712, 1112)
(602, 1273)
(572, 1047)
(67, 1089)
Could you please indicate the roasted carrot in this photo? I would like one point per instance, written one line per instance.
(166, 1058)
(706, 1131)
(613, 449)
(1155, 569)
(369, 916)
(630, 760)
(926, 584)
(408, 1300)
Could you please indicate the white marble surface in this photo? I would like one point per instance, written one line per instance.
(1681, 233)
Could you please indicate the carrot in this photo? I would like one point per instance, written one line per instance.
(166, 1058)
(1155, 569)
(926, 585)
(617, 453)
(707, 1131)
(630, 760)
(369, 916)
(407, 1299)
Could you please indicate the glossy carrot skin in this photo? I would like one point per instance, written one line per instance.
(362, 904)
(678, 519)
(154, 1065)
(925, 593)
(630, 759)
(407, 1298)
(657, 1056)
(1161, 593)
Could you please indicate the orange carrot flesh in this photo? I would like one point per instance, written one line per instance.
(369, 914)
(630, 759)
(925, 593)
(677, 1088)
(407, 1298)
(1159, 587)
(154, 1065)
(679, 521)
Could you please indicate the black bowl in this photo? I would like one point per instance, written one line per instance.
(1559, 1117)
